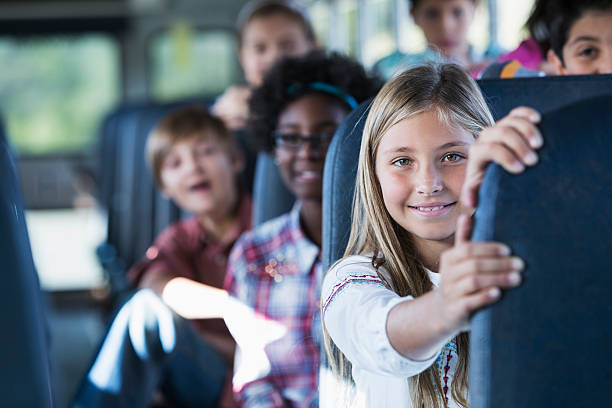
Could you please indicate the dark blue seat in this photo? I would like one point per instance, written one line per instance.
(2, 131)
(25, 381)
(546, 343)
(271, 197)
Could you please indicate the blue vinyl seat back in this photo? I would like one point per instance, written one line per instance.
(271, 197)
(127, 190)
(25, 378)
(2, 131)
(542, 93)
(339, 184)
(502, 95)
(545, 343)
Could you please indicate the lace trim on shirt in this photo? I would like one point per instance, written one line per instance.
(351, 279)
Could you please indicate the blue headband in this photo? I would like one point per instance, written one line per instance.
(327, 88)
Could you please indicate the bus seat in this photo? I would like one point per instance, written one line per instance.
(271, 197)
(541, 93)
(545, 343)
(339, 184)
(2, 131)
(25, 379)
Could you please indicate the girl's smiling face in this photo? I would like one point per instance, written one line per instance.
(420, 164)
(313, 118)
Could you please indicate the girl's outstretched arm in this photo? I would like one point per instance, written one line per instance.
(472, 274)
(511, 143)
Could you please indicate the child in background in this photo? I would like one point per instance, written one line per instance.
(396, 308)
(197, 163)
(276, 268)
(580, 37)
(574, 35)
(267, 31)
(445, 24)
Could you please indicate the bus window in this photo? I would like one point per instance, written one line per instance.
(186, 62)
(511, 27)
(378, 38)
(343, 29)
(320, 16)
(54, 92)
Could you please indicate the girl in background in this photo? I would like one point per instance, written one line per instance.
(445, 24)
(267, 30)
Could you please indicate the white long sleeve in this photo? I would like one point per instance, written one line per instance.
(355, 306)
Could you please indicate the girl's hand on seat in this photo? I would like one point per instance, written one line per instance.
(511, 143)
(472, 276)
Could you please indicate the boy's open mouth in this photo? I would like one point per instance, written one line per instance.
(201, 186)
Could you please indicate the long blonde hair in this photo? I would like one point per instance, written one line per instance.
(455, 97)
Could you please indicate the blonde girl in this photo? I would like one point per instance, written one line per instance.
(396, 308)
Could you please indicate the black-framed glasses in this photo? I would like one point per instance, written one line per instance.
(295, 141)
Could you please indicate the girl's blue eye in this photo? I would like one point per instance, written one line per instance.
(402, 162)
(452, 157)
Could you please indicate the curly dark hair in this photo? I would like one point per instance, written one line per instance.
(288, 81)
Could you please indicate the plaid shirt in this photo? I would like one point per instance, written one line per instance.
(185, 249)
(276, 270)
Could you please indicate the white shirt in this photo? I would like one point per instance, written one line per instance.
(355, 304)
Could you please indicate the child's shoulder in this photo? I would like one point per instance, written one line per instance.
(350, 271)
(182, 233)
(353, 269)
(264, 238)
(267, 230)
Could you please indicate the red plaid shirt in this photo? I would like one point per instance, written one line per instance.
(276, 270)
(184, 249)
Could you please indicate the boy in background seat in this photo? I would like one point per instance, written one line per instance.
(196, 162)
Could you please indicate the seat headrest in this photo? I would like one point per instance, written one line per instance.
(339, 184)
(271, 197)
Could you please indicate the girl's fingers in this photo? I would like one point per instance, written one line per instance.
(471, 283)
(530, 114)
(481, 299)
(464, 229)
(476, 249)
(519, 135)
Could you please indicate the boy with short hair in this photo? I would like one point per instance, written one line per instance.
(580, 37)
(196, 162)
